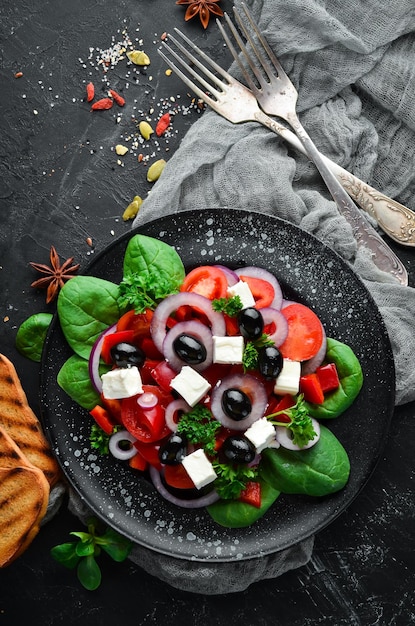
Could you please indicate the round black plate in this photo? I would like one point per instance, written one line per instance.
(310, 273)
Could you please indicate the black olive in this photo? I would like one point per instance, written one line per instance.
(189, 349)
(174, 450)
(237, 449)
(270, 362)
(126, 355)
(236, 404)
(251, 323)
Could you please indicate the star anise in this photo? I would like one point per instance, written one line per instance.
(55, 276)
(203, 8)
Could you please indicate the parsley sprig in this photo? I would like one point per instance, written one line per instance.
(99, 439)
(199, 426)
(300, 425)
(82, 553)
(230, 306)
(232, 479)
(250, 355)
(144, 291)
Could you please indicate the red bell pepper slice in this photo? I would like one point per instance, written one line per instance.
(138, 462)
(176, 476)
(311, 388)
(328, 377)
(149, 452)
(163, 374)
(112, 339)
(103, 418)
(251, 494)
(279, 404)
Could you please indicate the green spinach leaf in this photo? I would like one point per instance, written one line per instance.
(31, 335)
(86, 307)
(321, 470)
(74, 379)
(146, 255)
(237, 514)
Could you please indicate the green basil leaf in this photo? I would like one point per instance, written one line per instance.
(146, 255)
(237, 514)
(74, 379)
(89, 573)
(351, 380)
(66, 554)
(321, 470)
(31, 335)
(86, 307)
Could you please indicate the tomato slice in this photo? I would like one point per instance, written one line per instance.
(176, 476)
(305, 333)
(147, 424)
(163, 374)
(139, 323)
(206, 280)
(149, 452)
(262, 291)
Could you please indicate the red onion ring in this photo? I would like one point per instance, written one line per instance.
(172, 303)
(310, 366)
(231, 276)
(195, 503)
(115, 448)
(197, 330)
(147, 400)
(94, 358)
(259, 272)
(249, 385)
(171, 409)
(282, 434)
(273, 316)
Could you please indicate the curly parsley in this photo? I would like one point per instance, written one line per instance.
(301, 424)
(199, 426)
(144, 291)
(99, 439)
(250, 355)
(230, 306)
(232, 479)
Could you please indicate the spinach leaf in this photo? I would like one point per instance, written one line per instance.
(321, 470)
(237, 514)
(146, 255)
(31, 335)
(351, 380)
(86, 307)
(74, 379)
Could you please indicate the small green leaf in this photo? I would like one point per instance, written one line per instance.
(86, 548)
(31, 335)
(82, 536)
(66, 554)
(89, 573)
(114, 544)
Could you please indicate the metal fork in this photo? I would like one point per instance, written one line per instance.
(234, 101)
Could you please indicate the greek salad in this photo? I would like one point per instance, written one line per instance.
(208, 381)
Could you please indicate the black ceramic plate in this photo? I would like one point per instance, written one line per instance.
(310, 273)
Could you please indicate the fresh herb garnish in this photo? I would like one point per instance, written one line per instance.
(99, 439)
(301, 424)
(144, 291)
(82, 554)
(232, 479)
(230, 306)
(250, 355)
(199, 426)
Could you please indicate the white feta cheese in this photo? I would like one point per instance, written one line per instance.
(190, 385)
(261, 434)
(288, 380)
(241, 289)
(199, 468)
(228, 349)
(121, 382)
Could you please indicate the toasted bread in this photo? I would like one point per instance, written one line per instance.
(22, 425)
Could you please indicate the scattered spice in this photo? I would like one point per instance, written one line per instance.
(100, 105)
(117, 98)
(138, 57)
(163, 124)
(120, 149)
(90, 92)
(55, 276)
(145, 130)
(132, 209)
(202, 8)
(18, 74)
(89, 241)
(155, 170)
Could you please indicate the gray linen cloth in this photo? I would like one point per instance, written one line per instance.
(353, 64)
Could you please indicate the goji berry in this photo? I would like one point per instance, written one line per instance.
(118, 99)
(90, 92)
(104, 103)
(163, 124)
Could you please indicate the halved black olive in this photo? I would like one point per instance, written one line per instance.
(251, 323)
(237, 449)
(189, 349)
(236, 404)
(127, 355)
(270, 362)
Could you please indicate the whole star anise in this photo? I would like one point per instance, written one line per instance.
(55, 276)
(203, 8)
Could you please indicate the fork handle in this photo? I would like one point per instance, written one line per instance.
(395, 219)
(365, 235)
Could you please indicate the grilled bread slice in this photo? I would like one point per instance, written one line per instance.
(19, 421)
(24, 497)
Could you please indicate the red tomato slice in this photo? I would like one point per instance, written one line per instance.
(206, 280)
(163, 374)
(305, 333)
(262, 291)
(146, 424)
(111, 340)
(176, 476)
(139, 323)
(138, 462)
(149, 452)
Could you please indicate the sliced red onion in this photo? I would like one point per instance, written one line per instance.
(171, 411)
(284, 437)
(195, 329)
(286, 303)
(195, 503)
(147, 400)
(231, 276)
(310, 366)
(172, 303)
(249, 385)
(259, 272)
(117, 450)
(272, 316)
(94, 358)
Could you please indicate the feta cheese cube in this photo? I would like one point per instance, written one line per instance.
(190, 385)
(288, 380)
(199, 468)
(228, 349)
(241, 289)
(121, 382)
(261, 434)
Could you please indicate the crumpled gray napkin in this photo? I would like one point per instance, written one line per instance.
(354, 66)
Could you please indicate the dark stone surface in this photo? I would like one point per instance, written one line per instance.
(60, 184)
